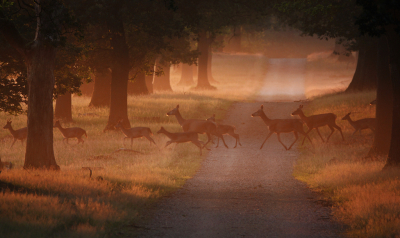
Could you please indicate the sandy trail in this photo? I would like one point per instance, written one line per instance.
(245, 192)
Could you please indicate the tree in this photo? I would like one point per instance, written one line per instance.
(39, 57)
(101, 92)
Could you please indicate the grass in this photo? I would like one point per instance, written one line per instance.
(366, 199)
(70, 204)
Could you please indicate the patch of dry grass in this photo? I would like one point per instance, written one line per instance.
(365, 198)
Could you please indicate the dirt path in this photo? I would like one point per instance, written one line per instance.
(245, 192)
(248, 192)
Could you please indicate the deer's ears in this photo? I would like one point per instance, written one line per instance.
(301, 106)
(262, 106)
(9, 120)
(177, 106)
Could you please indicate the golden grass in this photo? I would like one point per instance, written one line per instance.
(365, 198)
(70, 204)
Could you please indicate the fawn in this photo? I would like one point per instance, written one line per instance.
(19, 134)
(361, 124)
(135, 132)
(72, 132)
(281, 126)
(225, 129)
(315, 121)
(182, 137)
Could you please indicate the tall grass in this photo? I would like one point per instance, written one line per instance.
(365, 198)
(123, 185)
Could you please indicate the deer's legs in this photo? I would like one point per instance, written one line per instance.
(266, 139)
(306, 136)
(332, 130)
(168, 143)
(209, 139)
(198, 144)
(13, 143)
(320, 135)
(340, 130)
(297, 137)
(222, 138)
(151, 140)
(279, 139)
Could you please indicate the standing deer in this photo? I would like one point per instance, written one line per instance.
(197, 125)
(19, 134)
(225, 129)
(281, 126)
(182, 137)
(315, 121)
(135, 132)
(72, 132)
(361, 124)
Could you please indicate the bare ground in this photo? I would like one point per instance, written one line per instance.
(245, 192)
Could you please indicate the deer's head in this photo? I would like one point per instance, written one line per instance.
(259, 112)
(8, 125)
(174, 111)
(298, 111)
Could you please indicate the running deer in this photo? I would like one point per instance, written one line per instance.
(225, 130)
(319, 120)
(281, 126)
(361, 124)
(182, 137)
(19, 134)
(197, 125)
(135, 132)
(72, 132)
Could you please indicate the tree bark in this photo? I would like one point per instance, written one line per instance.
(384, 105)
(162, 83)
(186, 76)
(138, 86)
(149, 82)
(204, 45)
(63, 107)
(87, 89)
(119, 78)
(365, 76)
(209, 66)
(393, 37)
(101, 92)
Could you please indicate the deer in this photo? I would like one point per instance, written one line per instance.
(281, 126)
(135, 132)
(182, 137)
(19, 134)
(72, 132)
(361, 124)
(225, 130)
(197, 125)
(319, 120)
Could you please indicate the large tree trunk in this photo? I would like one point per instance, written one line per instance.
(204, 45)
(149, 82)
(384, 105)
(365, 76)
(63, 107)
(119, 78)
(162, 83)
(394, 65)
(101, 92)
(39, 143)
(87, 89)
(209, 66)
(138, 86)
(186, 76)
(40, 61)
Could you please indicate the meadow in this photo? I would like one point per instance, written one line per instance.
(364, 198)
(124, 185)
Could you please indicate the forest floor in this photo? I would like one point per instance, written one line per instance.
(248, 192)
